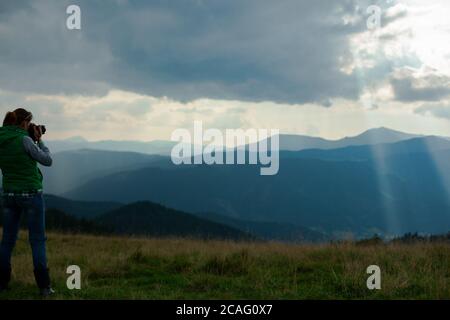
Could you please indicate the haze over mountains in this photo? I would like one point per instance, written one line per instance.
(76, 160)
(77, 143)
(381, 181)
(287, 142)
(75, 167)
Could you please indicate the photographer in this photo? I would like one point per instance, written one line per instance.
(21, 149)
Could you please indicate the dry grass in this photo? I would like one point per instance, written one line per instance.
(133, 268)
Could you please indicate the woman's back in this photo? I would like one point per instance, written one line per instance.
(20, 171)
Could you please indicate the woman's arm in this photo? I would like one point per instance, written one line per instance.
(38, 152)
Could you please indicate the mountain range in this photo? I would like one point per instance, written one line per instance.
(359, 189)
(288, 142)
(382, 181)
(76, 160)
(369, 137)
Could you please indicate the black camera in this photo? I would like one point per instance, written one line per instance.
(31, 130)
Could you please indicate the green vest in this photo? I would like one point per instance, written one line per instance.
(20, 171)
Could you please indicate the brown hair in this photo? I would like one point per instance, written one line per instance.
(16, 117)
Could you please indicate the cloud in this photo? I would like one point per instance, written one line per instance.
(422, 85)
(439, 110)
(138, 69)
(257, 50)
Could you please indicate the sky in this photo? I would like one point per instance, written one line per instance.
(138, 70)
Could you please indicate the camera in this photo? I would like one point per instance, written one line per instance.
(31, 130)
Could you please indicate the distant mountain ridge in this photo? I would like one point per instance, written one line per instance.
(147, 147)
(369, 137)
(288, 142)
(428, 144)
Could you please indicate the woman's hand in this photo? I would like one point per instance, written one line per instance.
(37, 132)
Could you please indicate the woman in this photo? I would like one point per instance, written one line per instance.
(22, 193)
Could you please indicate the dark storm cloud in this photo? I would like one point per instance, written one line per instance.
(428, 88)
(9, 7)
(284, 51)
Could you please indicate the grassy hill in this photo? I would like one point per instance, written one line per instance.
(151, 219)
(177, 268)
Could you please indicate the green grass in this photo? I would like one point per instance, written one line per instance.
(133, 268)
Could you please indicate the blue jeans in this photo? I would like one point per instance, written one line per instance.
(33, 207)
